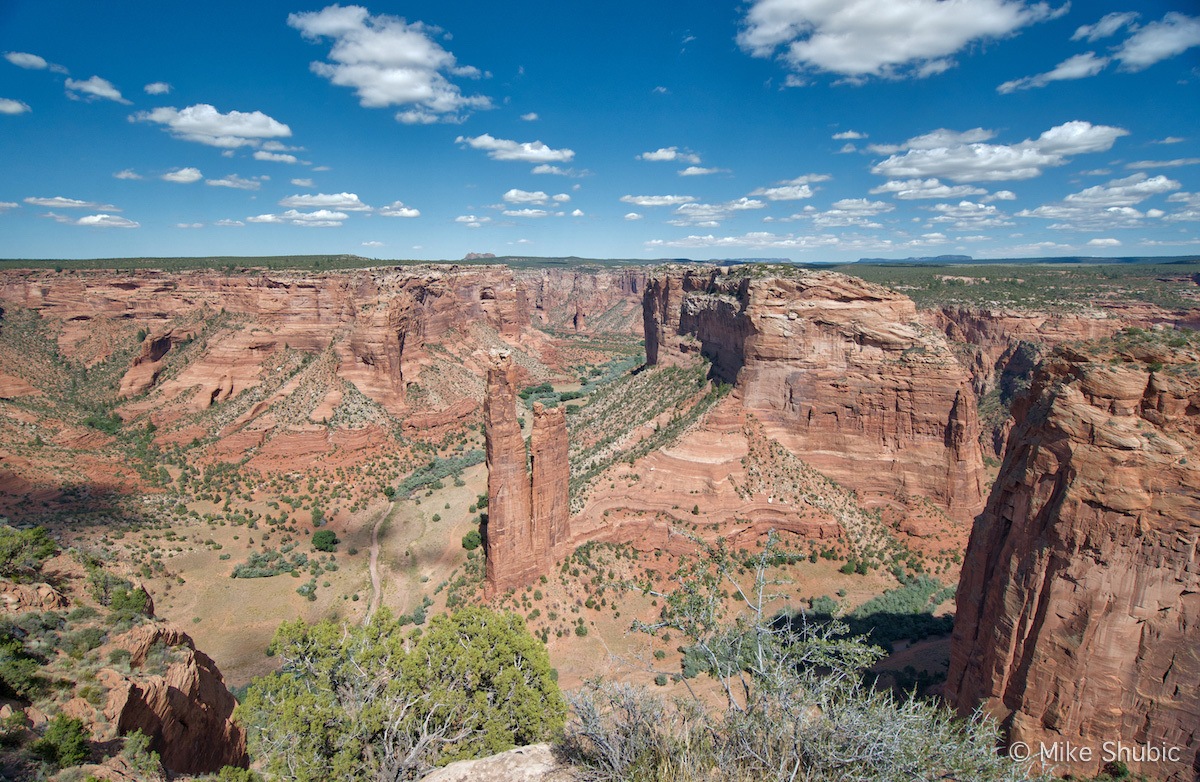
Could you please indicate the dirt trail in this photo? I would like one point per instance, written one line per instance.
(376, 588)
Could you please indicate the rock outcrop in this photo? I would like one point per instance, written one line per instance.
(1079, 604)
(527, 514)
(19, 598)
(838, 369)
(185, 708)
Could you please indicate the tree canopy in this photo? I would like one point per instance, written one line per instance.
(368, 703)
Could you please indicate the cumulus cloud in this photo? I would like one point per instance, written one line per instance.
(657, 200)
(516, 196)
(236, 182)
(127, 173)
(1104, 243)
(577, 213)
(884, 38)
(1177, 162)
(372, 244)
(969, 216)
(471, 221)
(346, 202)
(275, 157)
(1108, 25)
(6, 205)
(954, 156)
(183, 176)
(1174, 34)
(58, 202)
(203, 124)
(701, 171)
(852, 135)
(157, 88)
(631, 216)
(524, 151)
(546, 168)
(1111, 205)
(668, 154)
(389, 61)
(526, 212)
(93, 88)
(711, 215)
(913, 189)
(189, 225)
(26, 60)
(768, 240)
(302, 182)
(791, 189)
(322, 218)
(530, 117)
(230, 223)
(398, 209)
(1081, 66)
(10, 106)
(107, 221)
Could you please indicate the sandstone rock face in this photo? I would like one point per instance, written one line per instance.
(527, 515)
(839, 370)
(186, 710)
(18, 598)
(1079, 604)
(579, 299)
(535, 763)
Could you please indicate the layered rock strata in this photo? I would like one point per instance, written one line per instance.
(1079, 604)
(527, 512)
(839, 370)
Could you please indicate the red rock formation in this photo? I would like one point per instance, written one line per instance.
(527, 516)
(610, 299)
(18, 598)
(838, 369)
(1079, 604)
(186, 710)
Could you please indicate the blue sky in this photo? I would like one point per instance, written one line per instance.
(802, 129)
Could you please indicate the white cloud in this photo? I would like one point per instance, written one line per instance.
(347, 202)
(947, 154)
(852, 135)
(667, 154)
(32, 62)
(1105, 206)
(577, 213)
(913, 189)
(275, 157)
(1175, 34)
(398, 209)
(1181, 161)
(6, 205)
(701, 171)
(970, 216)
(1081, 66)
(10, 106)
(471, 221)
(236, 182)
(58, 202)
(94, 87)
(230, 223)
(885, 38)
(1104, 243)
(127, 173)
(157, 88)
(183, 176)
(768, 240)
(526, 212)
(526, 151)
(322, 218)
(388, 61)
(1170, 140)
(203, 124)
(710, 215)
(1002, 195)
(847, 148)
(657, 200)
(515, 196)
(1108, 25)
(302, 182)
(546, 168)
(530, 117)
(791, 189)
(107, 221)
(372, 244)
(189, 225)
(631, 216)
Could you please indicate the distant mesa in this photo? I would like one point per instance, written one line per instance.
(924, 259)
(478, 256)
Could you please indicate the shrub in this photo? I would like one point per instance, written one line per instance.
(472, 540)
(22, 552)
(325, 540)
(64, 743)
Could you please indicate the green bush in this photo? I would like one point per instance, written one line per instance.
(64, 743)
(472, 540)
(325, 540)
(22, 551)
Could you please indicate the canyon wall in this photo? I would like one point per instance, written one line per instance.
(1079, 604)
(527, 514)
(839, 370)
(585, 298)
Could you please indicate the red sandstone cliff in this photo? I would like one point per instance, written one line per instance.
(582, 299)
(1079, 604)
(837, 369)
(527, 515)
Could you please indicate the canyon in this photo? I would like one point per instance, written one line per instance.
(243, 410)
